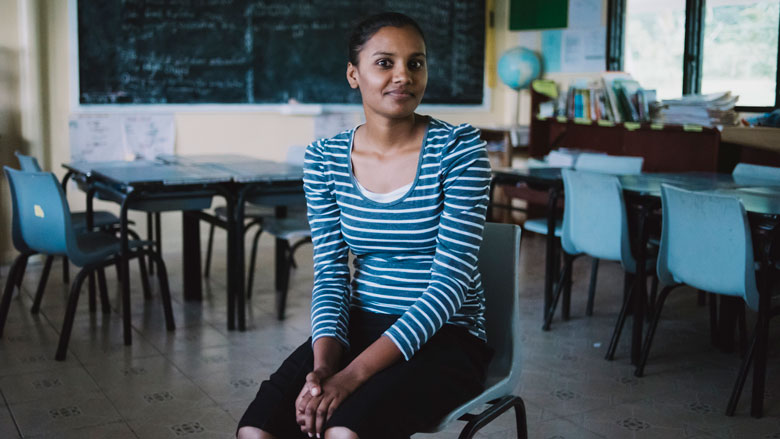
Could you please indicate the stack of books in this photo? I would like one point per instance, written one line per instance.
(615, 97)
(706, 110)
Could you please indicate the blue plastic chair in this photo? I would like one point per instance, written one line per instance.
(748, 171)
(595, 223)
(101, 220)
(44, 225)
(696, 224)
(498, 266)
(606, 164)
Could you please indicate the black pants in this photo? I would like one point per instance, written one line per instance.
(405, 398)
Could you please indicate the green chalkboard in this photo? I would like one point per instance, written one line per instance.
(538, 14)
(261, 51)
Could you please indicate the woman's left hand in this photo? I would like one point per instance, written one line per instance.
(312, 413)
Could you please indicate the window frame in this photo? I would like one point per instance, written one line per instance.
(692, 54)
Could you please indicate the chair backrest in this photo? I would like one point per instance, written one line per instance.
(42, 211)
(609, 164)
(27, 162)
(746, 170)
(706, 243)
(16, 230)
(594, 217)
(498, 266)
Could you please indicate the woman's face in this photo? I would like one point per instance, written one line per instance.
(392, 72)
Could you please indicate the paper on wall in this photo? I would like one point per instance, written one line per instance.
(106, 137)
(575, 50)
(585, 13)
(147, 136)
(329, 124)
(96, 138)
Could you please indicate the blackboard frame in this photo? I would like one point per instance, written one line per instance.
(285, 109)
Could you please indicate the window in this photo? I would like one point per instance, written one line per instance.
(707, 45)
(740, 50)
(654, 41)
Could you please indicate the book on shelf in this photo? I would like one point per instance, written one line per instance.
(614, 97)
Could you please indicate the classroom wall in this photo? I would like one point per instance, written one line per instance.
(34, 110)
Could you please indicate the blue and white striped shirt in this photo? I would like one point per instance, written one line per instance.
(415, 257)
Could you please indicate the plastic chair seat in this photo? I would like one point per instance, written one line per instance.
(165, 204)
(290, 228)
(100, 219)
(101, 245)
(539, 225)
(250, 211)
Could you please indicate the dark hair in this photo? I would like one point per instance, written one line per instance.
(371, 25)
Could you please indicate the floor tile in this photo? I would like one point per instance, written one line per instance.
(49, 384)
(7, 426)
(133, 371)
(115, 430)
(202, 423)
(141, 401)
(65, 413)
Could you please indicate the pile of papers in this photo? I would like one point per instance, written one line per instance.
(706, 110)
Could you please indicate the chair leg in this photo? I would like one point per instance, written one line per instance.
(495, 410)
(253, 262)
(150, 236)
(65, 270)
(142, 267)
(158, 235)
(144, 278)
(67, 325)
(713, 319)
(165, 293)
(282, 278)
(594, 271)
(627, 299)
(567, 281)
(209, 248)
(640, 368)
(556, 295)
(743, 345)
(744, 369)
(92, 293)
(105, 305)
(8, 291)
(653, 294)
(20, 273)
(42, 285)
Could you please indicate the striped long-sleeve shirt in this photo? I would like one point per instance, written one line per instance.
(415, 257)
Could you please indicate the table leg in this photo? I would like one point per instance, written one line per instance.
(193, 291)
(762, 334)
(640, 284)
(124, 272)
(238, 259)
(231, 263)
(551, 253)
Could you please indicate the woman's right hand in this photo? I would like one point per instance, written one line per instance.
(310, 393)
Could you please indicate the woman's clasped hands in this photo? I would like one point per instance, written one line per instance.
(320, 396)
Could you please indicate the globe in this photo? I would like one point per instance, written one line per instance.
(519, 66)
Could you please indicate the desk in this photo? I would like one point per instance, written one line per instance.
(196, 179)
(761, 199)
(642, 192)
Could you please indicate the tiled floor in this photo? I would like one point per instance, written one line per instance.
(196, 381)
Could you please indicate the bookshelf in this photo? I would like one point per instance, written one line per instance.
(665, 148)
